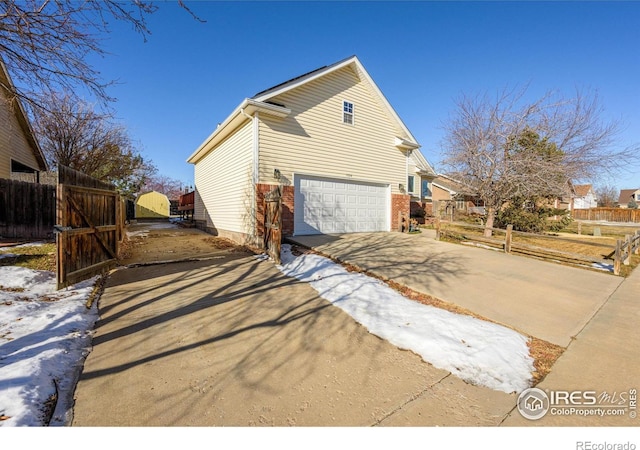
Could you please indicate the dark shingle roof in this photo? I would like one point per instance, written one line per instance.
(304, 75)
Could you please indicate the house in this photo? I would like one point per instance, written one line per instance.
(452, 194)
(332, 143)
(152, 205)
(629, 197)
(20, 153)
(419, 185)
(583, 197)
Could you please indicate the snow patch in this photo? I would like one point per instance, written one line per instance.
(479, 352)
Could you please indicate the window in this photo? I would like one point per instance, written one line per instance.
(426, 189)
(347, 112)
(411, 185)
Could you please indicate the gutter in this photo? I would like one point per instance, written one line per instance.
(244, 111)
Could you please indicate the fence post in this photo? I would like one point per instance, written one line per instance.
(627, 252)
(617, 257)
(636, 247)
(438, 228)
(507, 239)
(579, 227)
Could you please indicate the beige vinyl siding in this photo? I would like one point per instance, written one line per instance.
(314, 140)
(223, 183)
(13, 143)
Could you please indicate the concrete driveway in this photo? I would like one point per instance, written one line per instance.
(230, 341)
(541, 299)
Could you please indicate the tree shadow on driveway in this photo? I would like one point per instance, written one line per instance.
(232, 341)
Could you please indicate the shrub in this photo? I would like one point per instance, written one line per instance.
(536, 219)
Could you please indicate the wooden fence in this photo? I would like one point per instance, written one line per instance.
(27, 210)
(272, 208)
(624, 249)
(90, 226)
(607, 214)
(621, 254)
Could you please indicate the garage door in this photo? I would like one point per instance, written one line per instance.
(326, 205)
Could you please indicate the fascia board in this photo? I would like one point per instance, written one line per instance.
(242, 113)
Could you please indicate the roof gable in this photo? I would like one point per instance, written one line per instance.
(582, 190)
(6, 85)
(626, 194)
(361, 73)
(264, 103)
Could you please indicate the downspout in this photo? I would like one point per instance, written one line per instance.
(406, 171)
(254, 172)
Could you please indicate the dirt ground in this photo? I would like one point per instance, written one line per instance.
(152, 242)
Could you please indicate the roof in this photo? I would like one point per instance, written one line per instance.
(302, 77)
(262, 102)
(581, 190)
(625, 195)
(23, 120)
(422, 164)
(453, 186)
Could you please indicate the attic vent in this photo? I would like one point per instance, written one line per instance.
(276, 104)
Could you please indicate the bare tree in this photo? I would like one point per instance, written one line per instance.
(45, 44)
(506, 147)
(71, 133)
(607, 195)
(171, 187)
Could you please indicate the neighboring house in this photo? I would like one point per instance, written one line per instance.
(450, 193)
(583, 197)
(328, 138)
(628, 196)
(152, 205)
(20, 153)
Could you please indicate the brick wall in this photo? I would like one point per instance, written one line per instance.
(287, 208)
(399, 203)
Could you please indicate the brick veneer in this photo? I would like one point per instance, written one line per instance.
(399, 203)
(287, 208)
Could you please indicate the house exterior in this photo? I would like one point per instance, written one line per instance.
(419, 185)
(449, 193)
(20, 152)
(332, 143)
(629, 196)
(152, 205)
(583, 197)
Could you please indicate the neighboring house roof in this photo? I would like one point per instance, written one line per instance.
(261, 102)
(626, 195)
(582, 190)
(7, 84)
(449, 184)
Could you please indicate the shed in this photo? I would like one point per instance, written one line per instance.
(152, 205)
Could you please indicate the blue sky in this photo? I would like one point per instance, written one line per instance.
(188, 76)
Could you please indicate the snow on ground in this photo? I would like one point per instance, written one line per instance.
(44, 338)
(479, 352)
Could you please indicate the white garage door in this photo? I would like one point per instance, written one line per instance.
(326, 205)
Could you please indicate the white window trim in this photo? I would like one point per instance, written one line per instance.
(412, 191)
(353, 114)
